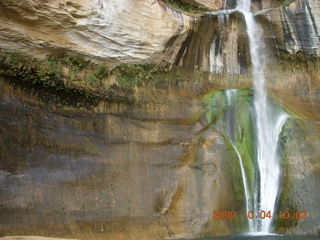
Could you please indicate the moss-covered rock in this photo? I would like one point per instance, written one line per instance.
(76, 74)
(184, 6)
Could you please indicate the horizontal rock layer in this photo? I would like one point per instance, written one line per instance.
(31, 238)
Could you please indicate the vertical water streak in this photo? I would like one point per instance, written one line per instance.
(230, 95)
(267, 128)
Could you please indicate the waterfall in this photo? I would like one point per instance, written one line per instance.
(268, 127)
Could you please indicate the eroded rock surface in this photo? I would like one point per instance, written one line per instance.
(120, 171)
(294, 28)
(116, 31)
(140, 171)
(217, 45)
(266, 4)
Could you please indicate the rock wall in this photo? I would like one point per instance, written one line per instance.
(294, 28)
(118, 171)
(258, 5)
(32, 238)
(224, 47)
(218, 44)
(210, 4)
(150, 31)
(115, 31)
(151, 169)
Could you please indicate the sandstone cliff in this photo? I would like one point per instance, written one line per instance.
(116, 31)
(158, 167)
(150, 31)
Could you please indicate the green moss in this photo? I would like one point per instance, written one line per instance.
(181, 5)
(234, 165)
(75, 63)
(215, 113)
(287, 2)
(214, 104)
(286, 202)
(233, 118)
(65, 72)
(91, 80)
(73, 109)
(16, 65)
(13, 2)
(69, 108)
(231, 113)
(101, 71)
(139, 75)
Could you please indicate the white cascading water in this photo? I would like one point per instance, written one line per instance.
(268, 128)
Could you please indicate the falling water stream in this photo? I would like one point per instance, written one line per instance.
(268, 127)
(231, 96)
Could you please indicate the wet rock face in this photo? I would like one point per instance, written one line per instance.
(116, 31)
(218, 44)
(142, 171)
(266, 4)
(292, 38)
(302, 170)
(120, 171)
(295, 28)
